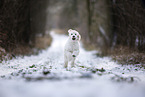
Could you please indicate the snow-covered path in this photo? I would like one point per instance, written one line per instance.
(43, 75)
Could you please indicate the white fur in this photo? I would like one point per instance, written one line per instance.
(71, 49)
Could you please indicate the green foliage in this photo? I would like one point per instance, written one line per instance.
(100, 70)
(118, 78)
(32, 66)
(45, 72)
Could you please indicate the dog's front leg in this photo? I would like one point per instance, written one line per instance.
(75, 53)
(72, 62)
(65, 63)
(67, 58)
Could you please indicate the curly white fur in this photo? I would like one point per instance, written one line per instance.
(71, 49)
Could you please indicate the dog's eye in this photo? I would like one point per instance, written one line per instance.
(71, 34)
(75, 34)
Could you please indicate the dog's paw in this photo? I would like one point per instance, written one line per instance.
(73, 55)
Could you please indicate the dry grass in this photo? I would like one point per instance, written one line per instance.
(42, 42)
(60, 31)
(4, 55)
(21, 50)
(125, 55)
(88, 46)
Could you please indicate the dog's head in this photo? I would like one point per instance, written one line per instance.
(74, 35)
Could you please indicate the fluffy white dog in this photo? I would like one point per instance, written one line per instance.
(71, 49)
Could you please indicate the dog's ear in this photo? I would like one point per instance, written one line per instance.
(69, 30)
(79, 37)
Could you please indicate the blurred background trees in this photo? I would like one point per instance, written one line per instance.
(103, 24)
(20, 21)
(129, 23)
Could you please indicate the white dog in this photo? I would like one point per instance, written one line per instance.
(71, 50)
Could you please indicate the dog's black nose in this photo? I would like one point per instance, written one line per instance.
(73, 36)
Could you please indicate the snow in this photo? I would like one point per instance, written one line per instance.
(76, 82)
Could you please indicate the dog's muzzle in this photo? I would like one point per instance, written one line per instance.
(73, 38)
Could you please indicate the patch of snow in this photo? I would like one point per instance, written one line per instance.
(77, 82)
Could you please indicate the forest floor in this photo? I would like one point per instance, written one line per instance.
(43, 75)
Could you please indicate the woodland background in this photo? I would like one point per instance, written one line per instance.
(115, 27)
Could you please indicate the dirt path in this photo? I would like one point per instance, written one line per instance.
(44, 76)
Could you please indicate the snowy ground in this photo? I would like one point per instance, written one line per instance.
(43, 75)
